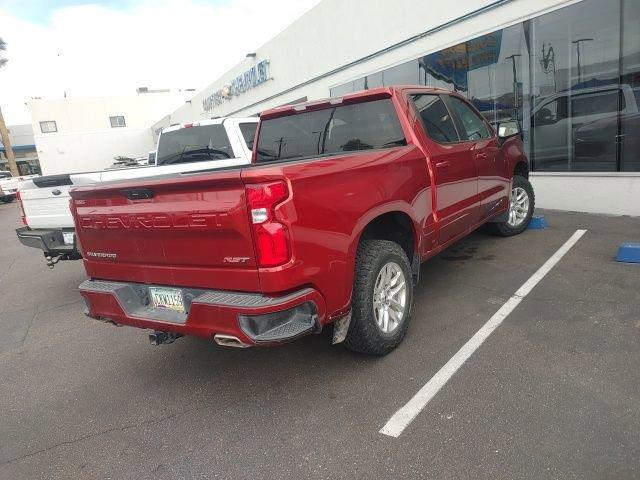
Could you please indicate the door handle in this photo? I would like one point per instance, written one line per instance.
(138, 193)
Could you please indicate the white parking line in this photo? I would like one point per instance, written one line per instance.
(403, 417)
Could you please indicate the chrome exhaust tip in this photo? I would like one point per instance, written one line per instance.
(229, 341)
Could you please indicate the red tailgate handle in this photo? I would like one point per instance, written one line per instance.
(138, 193)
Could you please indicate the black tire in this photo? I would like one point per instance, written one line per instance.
(7, 199)
(364, 335)
(503, 228)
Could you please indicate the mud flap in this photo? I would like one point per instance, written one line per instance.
(340, 329)
(415, 269)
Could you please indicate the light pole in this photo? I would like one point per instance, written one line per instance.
(577, 43)
(515, 81)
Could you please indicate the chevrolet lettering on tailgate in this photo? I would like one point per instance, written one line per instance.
(125, 222)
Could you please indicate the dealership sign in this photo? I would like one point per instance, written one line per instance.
(253, 77)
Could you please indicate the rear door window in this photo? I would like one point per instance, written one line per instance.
(344, 128)
(194, 144)
(597, 104)
(435, 117)
(470, 124)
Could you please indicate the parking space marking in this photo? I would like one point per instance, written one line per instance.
(403, 417)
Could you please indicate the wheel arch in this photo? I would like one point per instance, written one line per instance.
(521, 168)
(385, 222)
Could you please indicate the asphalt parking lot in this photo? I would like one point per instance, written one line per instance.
(554, 392)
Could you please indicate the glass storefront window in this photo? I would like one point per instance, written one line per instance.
(629, 131)
(571, 78)
(403, 74)
(575, 62)
(342, 89)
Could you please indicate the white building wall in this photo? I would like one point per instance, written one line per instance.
(85, 140)
(615, 193)
(90, 151)
(335, 33)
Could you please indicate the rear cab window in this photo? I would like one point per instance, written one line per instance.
(248, 131)
(331, 131)
(194, 144)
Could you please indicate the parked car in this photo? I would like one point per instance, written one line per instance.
(556, 119)
(9, 185)
(344, 199)
(598, 144)
(204, 145)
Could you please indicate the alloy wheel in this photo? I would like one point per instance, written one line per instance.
(390, 297)
(518, 207)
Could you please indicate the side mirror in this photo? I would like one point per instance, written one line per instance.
(508, 129)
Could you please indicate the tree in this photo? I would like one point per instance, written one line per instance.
(4, 133)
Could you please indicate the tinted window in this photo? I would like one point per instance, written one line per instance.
(248, 131)
(117, 121)
(48, 126)
(195, 144)
(346, 128)
(598, 104)
(435, 118)
(551, 112)
(470, 124)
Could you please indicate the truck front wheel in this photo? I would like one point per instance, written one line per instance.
(521, 206)
(7, 199)
(382, 296)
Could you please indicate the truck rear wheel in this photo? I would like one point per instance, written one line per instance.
(521, 206)
(7, 199)
(382, 296)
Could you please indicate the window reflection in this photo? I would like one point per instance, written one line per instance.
(575, 64)
(570, 77)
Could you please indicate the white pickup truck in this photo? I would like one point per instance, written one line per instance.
(203, 145)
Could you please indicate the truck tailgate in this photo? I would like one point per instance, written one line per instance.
(45, 201)
(183, 230)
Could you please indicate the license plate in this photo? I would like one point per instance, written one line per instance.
(68, 237)
(169, 298)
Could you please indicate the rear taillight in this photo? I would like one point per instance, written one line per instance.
(23, 217)
(270, 235)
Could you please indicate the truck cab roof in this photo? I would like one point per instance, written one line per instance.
(363, 95)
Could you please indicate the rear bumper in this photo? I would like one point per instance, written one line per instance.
(253, 318)
(51, 242)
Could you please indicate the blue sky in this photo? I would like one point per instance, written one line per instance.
(76, 49)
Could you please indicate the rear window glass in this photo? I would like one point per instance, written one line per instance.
(435, 118)
(344, 128)
(194, 144)
(248, 131)
(583, 105)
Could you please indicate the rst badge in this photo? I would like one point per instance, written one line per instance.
(235, 259)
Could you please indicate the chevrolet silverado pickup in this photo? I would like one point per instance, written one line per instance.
(44, 201)
(343, 200)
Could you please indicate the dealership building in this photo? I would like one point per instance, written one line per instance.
(569, 71)
(74, 135)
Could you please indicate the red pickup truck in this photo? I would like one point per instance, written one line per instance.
(344, 199)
